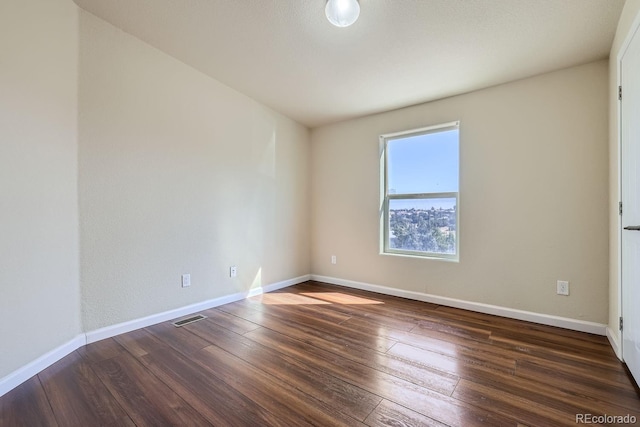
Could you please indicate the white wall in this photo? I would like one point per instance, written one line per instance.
(179, 174)
(39, 289)
(629, 14)
(533, 196)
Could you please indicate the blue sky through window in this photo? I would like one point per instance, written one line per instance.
(424, 164)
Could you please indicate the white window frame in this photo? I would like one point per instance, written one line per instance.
(385, 197)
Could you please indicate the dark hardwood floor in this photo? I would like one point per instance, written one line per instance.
(323, 355)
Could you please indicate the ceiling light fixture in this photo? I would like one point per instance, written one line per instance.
(342, 13)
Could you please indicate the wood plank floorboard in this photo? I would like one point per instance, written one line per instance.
(315, 354)
(148, 402)
(340, 395)
(27, 406)
(78, 397)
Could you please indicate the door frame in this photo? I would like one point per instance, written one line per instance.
(635, 28)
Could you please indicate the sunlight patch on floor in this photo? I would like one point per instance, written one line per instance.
(312, 298)
(340, 298)
(285, 298)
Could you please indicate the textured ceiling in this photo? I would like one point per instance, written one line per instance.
(286, 55)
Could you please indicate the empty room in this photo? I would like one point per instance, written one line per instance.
(319, 212)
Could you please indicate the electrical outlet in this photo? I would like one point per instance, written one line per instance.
(186, 280)
(334, 259)
(233, 271)
(562, 287)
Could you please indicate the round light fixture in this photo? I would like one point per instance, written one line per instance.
(342, 13)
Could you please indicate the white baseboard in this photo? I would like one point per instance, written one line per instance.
(615, 344)
(529, 316)
(132, 325)
(22, 374)
(278, 285)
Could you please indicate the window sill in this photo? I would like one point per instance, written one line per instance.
(455, 259)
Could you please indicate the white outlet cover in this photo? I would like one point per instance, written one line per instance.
(562, 287)
(186, 280)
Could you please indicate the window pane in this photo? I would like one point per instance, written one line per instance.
(423, 163)
(426, 225)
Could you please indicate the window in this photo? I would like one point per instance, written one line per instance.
(419, 192)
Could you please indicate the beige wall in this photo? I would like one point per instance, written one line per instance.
(629, 14)
(39, 290)
(533, 196)
(179, 174)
